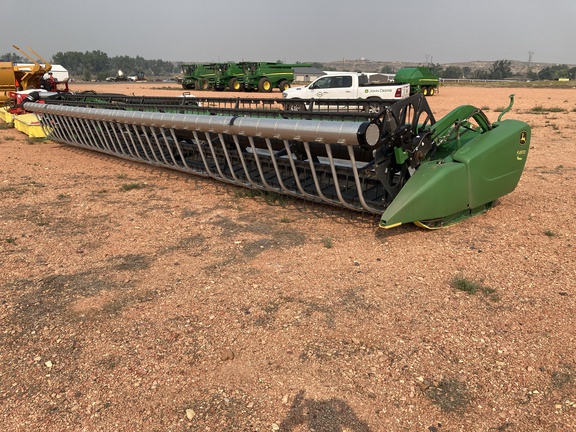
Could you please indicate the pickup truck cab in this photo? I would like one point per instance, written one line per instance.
(350, 86)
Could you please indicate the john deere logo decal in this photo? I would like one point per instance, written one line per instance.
(523, 137)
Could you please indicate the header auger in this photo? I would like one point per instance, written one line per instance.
(400, 163)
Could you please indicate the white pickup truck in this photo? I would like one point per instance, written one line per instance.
(348, 85)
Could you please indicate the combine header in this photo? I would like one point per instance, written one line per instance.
(400, 163)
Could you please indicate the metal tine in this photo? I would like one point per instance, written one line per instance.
(108, 138)
(71, 122)
(169, 147)
(129, 136)
(336, 182)
(197, 141)
(153, 160)
(140, 144)
(125, 134)
(243, 161)
(45, 124)
(358, 183)
(162, 144)
(116, 142)
(85, 128)
(131, 147)
(158, 145)
(68, 128)
(45, 121)
(53, 124)
(78, 127)
(139, 147)
(103, 138)
(228, 161)
(87, 132)
(315, 176)
(265, 184)
(277, 170)
(100, 130)
(295, 173)
(179, 148)
(221, 175)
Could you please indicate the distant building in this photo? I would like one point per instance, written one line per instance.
(307, 74)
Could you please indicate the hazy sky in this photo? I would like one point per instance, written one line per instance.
(441, 31)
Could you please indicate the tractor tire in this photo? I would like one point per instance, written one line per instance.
(234, 85)
(203, 84)
(425, 91)
(264, 85)
(284, 85)
(432, 91)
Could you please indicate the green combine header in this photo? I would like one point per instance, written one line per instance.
(399, 163)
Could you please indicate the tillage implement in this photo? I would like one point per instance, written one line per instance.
(399, 162)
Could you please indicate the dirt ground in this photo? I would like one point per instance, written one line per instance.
(185, 304)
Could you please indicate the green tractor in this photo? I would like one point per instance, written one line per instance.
(228, 76)
(198, 76)
(421, 80)
(264, 76)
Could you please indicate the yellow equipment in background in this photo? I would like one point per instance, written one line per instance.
(14, 77)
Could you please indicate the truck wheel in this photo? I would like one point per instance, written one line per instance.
(234, 85)
(425, 91)
(431, 92)
(296, 106)
(284, 85)
(264, 85)
(374, 106)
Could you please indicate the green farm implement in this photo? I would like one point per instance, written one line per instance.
(227, 76)
(198, 76)
(399, 163)
(421, 80)
(264, 77)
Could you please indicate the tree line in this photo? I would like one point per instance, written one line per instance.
(553, 73)
(98, 65)
(501, 69)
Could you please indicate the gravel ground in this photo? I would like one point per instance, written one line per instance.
(140, 299)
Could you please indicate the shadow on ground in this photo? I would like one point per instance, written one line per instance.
(332, 415)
